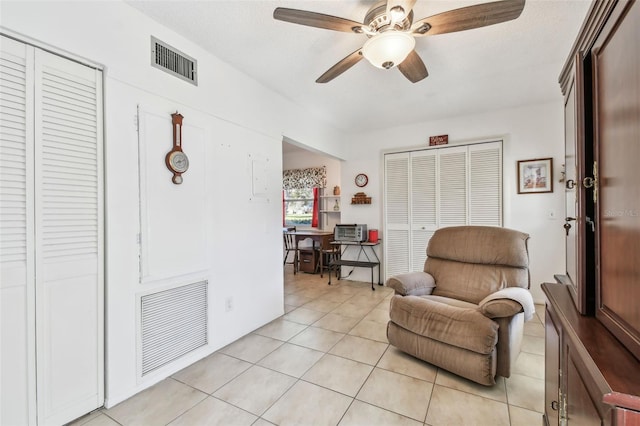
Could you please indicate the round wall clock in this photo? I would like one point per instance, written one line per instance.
(176, 160)
(361, 180)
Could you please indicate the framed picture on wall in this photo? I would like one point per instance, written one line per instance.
(535, 176)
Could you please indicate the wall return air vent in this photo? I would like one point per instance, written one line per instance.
(173, 61)
(173, 323)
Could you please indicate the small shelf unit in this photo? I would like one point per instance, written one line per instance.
(327, 209)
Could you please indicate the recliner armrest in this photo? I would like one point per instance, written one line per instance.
(508, 302)
(412, 284)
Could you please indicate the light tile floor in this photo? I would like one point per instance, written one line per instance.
(327, 362)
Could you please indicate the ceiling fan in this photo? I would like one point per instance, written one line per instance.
(391, 31)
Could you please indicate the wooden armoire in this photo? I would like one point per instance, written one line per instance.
(592, 323)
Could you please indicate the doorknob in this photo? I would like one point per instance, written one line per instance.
(592, 182)
(567, 225)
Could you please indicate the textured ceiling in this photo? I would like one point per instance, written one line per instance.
(500, 66)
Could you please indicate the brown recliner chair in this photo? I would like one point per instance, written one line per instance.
(465, 313)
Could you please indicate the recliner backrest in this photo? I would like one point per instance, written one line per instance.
(470, 262)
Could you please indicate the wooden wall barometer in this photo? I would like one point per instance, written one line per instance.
(176, 159)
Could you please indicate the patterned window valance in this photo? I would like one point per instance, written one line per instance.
(313, 177)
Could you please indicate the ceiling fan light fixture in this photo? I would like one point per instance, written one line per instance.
(388, 49)
(397, 13)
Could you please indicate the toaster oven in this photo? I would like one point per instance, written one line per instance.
(355, 233)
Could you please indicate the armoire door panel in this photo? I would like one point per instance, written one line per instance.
(552, 395)
(617, 114)
(571, 177)
(579, 234)
(581, 409)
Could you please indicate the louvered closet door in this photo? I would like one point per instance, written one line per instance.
(453, 186)
(485, 184)
(396, 245)
(17, 360)
(69, 238)
(424, 204)
(434, 188)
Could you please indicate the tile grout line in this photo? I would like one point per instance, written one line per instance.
(360, 320)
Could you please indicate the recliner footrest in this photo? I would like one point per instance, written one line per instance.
(462, 327)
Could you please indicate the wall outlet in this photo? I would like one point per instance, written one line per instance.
(228, 304)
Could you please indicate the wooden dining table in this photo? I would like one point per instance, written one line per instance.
(322, 238)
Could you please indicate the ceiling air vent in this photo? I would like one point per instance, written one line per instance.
(173, 61)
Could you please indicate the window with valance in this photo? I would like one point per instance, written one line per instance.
(300, 194)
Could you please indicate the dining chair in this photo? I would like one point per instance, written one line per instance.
(289, 244)
(328, 253)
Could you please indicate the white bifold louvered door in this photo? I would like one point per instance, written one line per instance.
(63, 228)
(17, 260)
(424, 204)
(397, 226)
(69, 238)
(485, 184)
(453, 186)
(434, 188)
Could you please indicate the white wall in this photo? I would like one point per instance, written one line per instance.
(239, 118)
(535, 131)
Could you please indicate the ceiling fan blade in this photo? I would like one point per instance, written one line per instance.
(413, 68)
(318, 20)
(405, 5)
(340, 67)
(466, 18)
